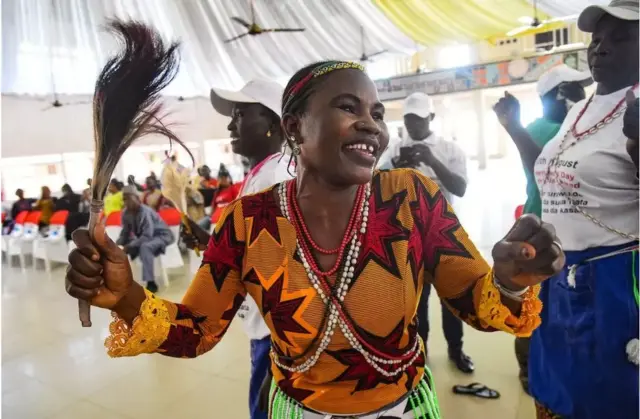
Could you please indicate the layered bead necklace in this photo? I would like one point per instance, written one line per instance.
(334, 297)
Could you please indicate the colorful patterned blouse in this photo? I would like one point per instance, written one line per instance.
(412, 236)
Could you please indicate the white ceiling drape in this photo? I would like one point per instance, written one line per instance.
(562, 8)
(65, 36)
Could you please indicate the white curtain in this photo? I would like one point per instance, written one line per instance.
(562, 8)
(58, 45)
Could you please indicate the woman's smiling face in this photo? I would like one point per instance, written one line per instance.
(341, 132)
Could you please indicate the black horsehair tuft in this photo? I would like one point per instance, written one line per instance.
(126, 102)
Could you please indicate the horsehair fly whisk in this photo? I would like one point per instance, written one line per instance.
(126, 106)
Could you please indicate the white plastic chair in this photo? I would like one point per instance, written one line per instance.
(54, 247)
(12, 244)
(171, 258)
(23, 245)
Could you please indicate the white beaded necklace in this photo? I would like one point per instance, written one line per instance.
(346, 276)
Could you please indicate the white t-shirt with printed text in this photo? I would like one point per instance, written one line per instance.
(596, 174)
(272, 171)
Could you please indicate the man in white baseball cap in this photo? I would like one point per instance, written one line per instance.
(256, 134)
(445, 163)
(561, 74)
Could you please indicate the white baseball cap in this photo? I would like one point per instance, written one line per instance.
(418, 104)
(265, 92)
(622, 9)
(562, 74)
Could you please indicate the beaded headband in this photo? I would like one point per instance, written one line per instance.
(321, 70)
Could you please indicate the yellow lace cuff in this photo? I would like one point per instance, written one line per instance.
(492, 313)
(149, 330)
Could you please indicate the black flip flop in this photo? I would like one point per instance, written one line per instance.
(477, 390)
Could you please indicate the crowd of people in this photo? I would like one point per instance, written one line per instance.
(328, 252)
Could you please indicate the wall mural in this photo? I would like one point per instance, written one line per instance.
(481, 76)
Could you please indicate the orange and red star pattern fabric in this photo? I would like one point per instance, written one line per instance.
(413, 236)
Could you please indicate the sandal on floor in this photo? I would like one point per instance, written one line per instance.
(477, 390)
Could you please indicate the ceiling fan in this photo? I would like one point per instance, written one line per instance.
(254, 29)
(533, 24)
(56, 103)
(364, 58)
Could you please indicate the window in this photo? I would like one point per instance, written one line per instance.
(550, 39)
(454, 56)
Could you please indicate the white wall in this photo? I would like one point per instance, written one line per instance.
(27, 130)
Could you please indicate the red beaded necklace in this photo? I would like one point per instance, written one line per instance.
(574, 130)
(577, 136)
(303, 231)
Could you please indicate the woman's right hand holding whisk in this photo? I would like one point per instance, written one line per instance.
(99, 272)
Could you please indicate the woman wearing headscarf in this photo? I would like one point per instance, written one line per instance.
(335, 260)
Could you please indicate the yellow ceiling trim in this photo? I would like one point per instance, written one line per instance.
(430, 22)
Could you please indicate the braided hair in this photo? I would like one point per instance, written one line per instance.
(303, 85)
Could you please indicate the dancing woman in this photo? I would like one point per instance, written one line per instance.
(335, 260)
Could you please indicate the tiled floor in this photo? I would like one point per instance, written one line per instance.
(54, 369)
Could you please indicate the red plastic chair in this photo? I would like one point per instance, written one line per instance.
(171, 216)
(114, 219)
(21, 218)
(33, 217)
(519, 211)
(59, 217)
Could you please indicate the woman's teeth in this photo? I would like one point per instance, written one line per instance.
(362, 147)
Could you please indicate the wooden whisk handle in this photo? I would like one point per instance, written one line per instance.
(84, 308)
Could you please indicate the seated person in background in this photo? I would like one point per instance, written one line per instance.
(71, 201)
(22, 204)
(45, 206)
(152, 197)
(143, 234)
(227, 193)
(114, 200)
(206, 181)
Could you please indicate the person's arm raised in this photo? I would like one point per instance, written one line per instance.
(508, 111)
(99, 272)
